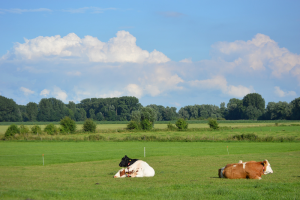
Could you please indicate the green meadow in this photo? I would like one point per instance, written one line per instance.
(184, 170)
(82, 165)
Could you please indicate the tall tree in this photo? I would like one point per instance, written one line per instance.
(9, 110)
(32, 111)
(295, 109)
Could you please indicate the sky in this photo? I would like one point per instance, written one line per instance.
(170, 53)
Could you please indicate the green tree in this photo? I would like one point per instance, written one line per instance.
(181, 124)
(133, 125)
(51, 129)
(9, 110)
(51, 110)
(295, 105)
(32, 111)
(68, 125)
(213, 123)
(136, 116)
(89, 126)
(36, 129)
(12, 130)
(148, 113)
(235, 109)
(24, 129)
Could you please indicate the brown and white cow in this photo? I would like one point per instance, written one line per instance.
(249, 170)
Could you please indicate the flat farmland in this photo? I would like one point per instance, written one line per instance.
(184, 170)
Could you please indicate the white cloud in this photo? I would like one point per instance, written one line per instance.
(160, 81)
(134, 90)
(20, 11)
(220, 83)
(26, 91)
(45, 92)
(59, 94)
(121, 48)
(111, 94)
(281, 93)
(74, 73)
(186, 60)
(257, 54)
(86, 9)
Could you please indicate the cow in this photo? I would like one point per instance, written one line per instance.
(248, 170)
(134, 168)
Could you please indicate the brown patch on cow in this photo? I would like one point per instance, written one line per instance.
(122, 173)
(252, 170)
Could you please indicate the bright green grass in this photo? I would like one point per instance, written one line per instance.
(85, 170)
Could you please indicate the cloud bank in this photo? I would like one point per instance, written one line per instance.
(121, 48)
(74, 68)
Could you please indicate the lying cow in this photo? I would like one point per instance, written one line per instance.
(250, 170)
(134, 168)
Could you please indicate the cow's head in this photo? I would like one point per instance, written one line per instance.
(124, 162)
(120, 174)
(267, 167)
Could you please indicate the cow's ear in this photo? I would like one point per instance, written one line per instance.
(264, 163)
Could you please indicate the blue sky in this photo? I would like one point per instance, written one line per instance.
(170, 53)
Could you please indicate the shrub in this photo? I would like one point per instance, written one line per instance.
(249, 136)
(171, 127)
(181, 124)
(24, 129)
(213, 123)
(51, 129)
(133, 125)
(146, 124)
(36, 129)
(68, 125)
(89, 126)
(12, 130)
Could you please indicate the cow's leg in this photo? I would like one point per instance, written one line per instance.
(254, 176)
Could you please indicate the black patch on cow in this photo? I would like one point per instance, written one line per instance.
(125, 162)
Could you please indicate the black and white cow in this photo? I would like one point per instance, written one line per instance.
(134, 168)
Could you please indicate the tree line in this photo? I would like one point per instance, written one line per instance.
(252, 106)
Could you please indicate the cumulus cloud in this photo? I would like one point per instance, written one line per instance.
(257, 54)
(26, 91)
(45, 92)
(161, 80)
(121, 49)
(220, 83)
(59, 94)
(134, 90)
(281, 93)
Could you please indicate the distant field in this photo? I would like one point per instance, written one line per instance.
(84, 170)
(201, 130)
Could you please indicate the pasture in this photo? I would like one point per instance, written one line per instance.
(184, 170)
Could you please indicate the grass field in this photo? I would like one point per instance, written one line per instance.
(84, 170)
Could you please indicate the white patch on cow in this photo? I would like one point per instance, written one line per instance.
(234, 165)
(244, 165)
(268, 169)
(139, 168)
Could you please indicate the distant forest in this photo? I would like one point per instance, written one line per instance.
(252, 106)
